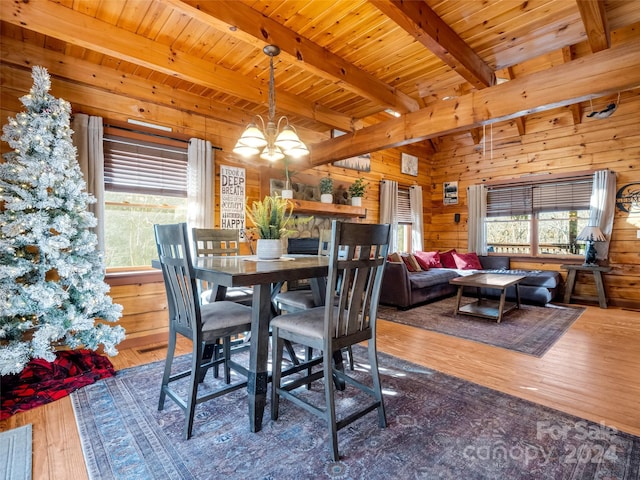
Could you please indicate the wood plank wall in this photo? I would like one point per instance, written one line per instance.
(552, 142)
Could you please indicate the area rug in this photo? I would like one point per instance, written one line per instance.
(15, 453)
(531, 329)
(41, 382)
(439, 427)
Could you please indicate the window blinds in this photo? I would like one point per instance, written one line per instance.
(523, 199)
(136, 166)
(404, 206)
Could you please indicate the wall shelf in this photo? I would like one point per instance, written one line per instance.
(327, 209)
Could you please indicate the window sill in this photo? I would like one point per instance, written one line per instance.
(559, 259)
(128, 277)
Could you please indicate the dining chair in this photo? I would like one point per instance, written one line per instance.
(219, 242)
(202, 324)
(357, 258)
(304, 299)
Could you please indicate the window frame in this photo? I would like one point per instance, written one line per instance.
(539, 203)
(155, 141)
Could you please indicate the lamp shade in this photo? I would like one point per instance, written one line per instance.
(299, 151)
(253, 137)
(591, 233)
(245, 150)
(287, 139)
(273, 154)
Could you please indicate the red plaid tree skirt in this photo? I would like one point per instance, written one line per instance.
(42, 382)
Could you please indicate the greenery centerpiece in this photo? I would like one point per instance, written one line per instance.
(326, 190)
(271, 218)
(357, 190)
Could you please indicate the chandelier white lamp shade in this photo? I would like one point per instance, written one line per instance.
(271, 141)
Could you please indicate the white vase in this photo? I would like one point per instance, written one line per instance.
(269, 248)
(326, 198)
(356, 201)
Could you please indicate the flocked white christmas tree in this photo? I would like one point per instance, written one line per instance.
(52, 288)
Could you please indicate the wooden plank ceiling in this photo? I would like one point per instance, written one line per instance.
(344, 64)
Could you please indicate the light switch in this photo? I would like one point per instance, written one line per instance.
(638, 233)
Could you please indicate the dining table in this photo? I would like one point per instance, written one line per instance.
(265, 276)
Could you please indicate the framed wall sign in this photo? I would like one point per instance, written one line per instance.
(362, 163)
(450, 193)
(410, 164)
(232, 198)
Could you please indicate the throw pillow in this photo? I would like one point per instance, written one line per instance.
(411, 263)
(428, 260)
(394, 257)
(446, 259)
(406, 263)
(467, 261)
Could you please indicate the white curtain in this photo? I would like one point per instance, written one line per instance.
(389, 209)
(200, 184)
(477, 202)
(88, 139)
(603, 201)
(417, 217)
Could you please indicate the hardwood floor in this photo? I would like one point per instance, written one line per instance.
(593, 372)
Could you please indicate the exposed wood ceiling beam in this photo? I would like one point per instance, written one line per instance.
(519, 120)
(417, 18)
(599, 74)
(58, 64)
(224, 14)
(576, 109)
(93, 34)
(594, 18)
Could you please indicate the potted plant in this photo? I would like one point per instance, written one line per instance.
(357, 190)
(326, 190)
(271, 218)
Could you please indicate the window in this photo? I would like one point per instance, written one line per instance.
(538, 219)
(404, 221)
(145, 183)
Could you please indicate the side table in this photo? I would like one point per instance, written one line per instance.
(596, 270)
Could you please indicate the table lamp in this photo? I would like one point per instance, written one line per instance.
(590, 234)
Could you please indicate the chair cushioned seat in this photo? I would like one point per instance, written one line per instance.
(309, 323)
(224, 315)
(297, 299)
(242, 295)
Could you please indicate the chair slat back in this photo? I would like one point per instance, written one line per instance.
(179, 280)
(216, 241)
(356, 262)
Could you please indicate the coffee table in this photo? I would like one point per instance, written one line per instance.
(484, 307)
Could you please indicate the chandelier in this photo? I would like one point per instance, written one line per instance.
(271, 142)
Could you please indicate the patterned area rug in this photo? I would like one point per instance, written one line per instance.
(531, 329)
(438, 427)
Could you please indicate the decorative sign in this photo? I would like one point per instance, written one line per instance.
(410, 164)
(628, 198)
(450, 192)
(232, 199)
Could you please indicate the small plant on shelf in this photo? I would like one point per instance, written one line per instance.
(326, 190)
(326, 185)
(358, 188)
